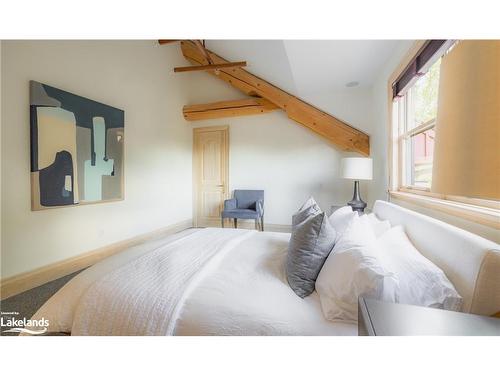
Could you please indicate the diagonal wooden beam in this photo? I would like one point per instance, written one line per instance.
(203, 50)
(336, 131)
(228, 108)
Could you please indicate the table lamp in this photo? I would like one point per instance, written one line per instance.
(356, 169)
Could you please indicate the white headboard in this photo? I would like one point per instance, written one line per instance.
(472, 263)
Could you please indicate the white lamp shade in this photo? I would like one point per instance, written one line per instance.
(356, 168)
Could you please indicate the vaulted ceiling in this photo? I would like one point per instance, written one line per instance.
(308, 67)
(286, 74)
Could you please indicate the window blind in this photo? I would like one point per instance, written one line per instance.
(467, 144)
(430, 51)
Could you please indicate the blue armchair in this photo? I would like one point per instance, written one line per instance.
(246, 204)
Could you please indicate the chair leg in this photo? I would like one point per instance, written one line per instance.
(235, 223)
(256, 224)
(262, 223)
(222, 222)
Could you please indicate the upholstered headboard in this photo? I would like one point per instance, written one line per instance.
(472, 263)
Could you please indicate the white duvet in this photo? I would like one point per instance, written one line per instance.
(199, 282)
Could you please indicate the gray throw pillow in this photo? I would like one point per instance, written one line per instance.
(309, 246)
(309, 208)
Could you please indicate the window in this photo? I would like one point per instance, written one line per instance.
(466, 188)
(417, 110)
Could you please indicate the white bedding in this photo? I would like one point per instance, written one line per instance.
(225, 282)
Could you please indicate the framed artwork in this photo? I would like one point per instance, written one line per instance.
(76, 149)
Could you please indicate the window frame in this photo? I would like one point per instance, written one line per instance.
(404, 140)
(486, 212)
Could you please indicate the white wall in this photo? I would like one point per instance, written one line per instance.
(135, 76)
(274, 153)
(379, 145)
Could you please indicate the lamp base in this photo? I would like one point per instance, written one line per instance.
(357, 204)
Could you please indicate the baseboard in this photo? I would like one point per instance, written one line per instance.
(16, 284)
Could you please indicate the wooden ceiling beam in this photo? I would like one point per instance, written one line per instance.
(203, 50)
(168, 41)
(336, 131)
(228, 108)
(208, 63)
(209, 67)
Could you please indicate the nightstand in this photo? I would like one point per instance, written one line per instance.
(376, 318)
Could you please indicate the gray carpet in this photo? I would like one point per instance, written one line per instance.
(27, 303)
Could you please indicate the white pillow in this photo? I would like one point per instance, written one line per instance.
(353, 269)
(340, 220)
(379, 227)
(421, 282)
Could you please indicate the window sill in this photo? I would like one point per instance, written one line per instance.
(482, 215)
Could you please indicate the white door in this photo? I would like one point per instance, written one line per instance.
(210, 157)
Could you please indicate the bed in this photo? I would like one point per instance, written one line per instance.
(216, 281)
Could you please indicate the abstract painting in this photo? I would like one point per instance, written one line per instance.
(76, 149)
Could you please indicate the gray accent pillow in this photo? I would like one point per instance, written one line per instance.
(309, 208)
(309, 246)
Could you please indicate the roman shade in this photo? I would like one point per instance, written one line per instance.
(417, 67)
(467, 144)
